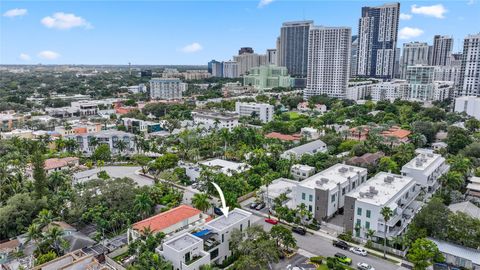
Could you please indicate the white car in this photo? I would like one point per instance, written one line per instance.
(364, 266)
(358, 251)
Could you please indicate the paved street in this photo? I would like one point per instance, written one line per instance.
(321, 246)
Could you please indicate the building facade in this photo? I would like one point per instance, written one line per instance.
(414, 53)
(87, 143)
(268, 77)
(230, 69)
(293, 47)
(392, 90)
(215, 120)
(441, 50)
(469, 78)
(420, 83)
(264, 112)
(469, 105)
(328, 61)
(377, 33)
(247, 61)
(166, 88)
(363, 206)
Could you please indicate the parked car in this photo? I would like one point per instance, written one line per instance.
(358, 251)
(299, 230)
(260, 206)
(218, 211)
(253, 205)
(364, 266)
(341, 244)
(271, 221)
(341, 258)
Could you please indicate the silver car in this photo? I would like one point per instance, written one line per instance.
(364, 266)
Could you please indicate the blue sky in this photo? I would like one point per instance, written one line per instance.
(193, 32)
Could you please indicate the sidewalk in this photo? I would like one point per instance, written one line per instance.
(332, 236)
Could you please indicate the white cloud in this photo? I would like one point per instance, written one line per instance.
(61, 20)
(15, 12)
(437, 11)
(191, 48)
(24, 57)
(405, 16)
(48, 55)
(409, 32)
(264, 3)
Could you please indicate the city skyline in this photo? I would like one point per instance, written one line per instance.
(94, 32)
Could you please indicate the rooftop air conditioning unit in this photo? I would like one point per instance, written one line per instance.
(388, 179)
(343, 170)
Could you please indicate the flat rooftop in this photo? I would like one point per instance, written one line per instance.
(281, 185)
(183, 241)
(225, 164)
(235, 216)
(424, 160)
(382, 188)
(331, 177)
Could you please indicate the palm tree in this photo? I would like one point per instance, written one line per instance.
(387, 213)
(201, 202)
(121, 145)
(267, 180)
(34, 233)
(303, 212)
(44, 218)
(143, 204)
(55, 236)
(369, 234)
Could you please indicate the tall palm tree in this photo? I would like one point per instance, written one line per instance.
(387, 213)
(34, 233)
(143, 204)
(55, 236)
(201, 202)
(121, 145)
(44, 218)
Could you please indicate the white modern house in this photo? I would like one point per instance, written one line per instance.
(109, 137)
(301, 172)
(185, 252)
(211, 245)
(324, 193)
(310, 148)
(426, 168)
(363, 206)
(217, 165)
(263, 111)
(215, 120)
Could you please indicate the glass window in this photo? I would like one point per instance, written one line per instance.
(303, 196)
(310, 198)
(310, 208)
(359, 211)
(368, 213)
(333, 198)
(367, 225)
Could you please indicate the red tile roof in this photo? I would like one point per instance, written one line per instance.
(53, 163)
(397, 132)
(166, 219)
(283, 137)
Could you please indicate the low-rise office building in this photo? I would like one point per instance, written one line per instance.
(262, 111)
(363, 206)
(166, 88)
(324, 193)
(426, 169)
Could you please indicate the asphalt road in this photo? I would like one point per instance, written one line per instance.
(320, 246)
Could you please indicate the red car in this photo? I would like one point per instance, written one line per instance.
(271, 221)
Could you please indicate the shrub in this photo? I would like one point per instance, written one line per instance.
(317, 259)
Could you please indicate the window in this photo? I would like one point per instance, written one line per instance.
(359, 211)
(249, 223)
(353, 185)
(358, 223)
(223, 238)
(241, 227)
(368, 213)
(367, 225)
(303, 196)
(310, 198)
(333, 198)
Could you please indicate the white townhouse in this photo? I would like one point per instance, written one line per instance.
(363, 206)
(426, 168)
(310, 148)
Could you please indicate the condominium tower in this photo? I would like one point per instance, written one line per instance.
(469, 78)
(414, 53)
(328, 61)
(377, 33)
(441, 50)
(293, 47)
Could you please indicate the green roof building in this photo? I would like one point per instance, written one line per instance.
(268, 77)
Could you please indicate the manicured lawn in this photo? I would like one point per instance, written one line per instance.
(293, 115)
(323, 267)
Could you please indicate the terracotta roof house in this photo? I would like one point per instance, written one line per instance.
(283, 137)
(358, 133)
(175, 220)
(401, 135)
